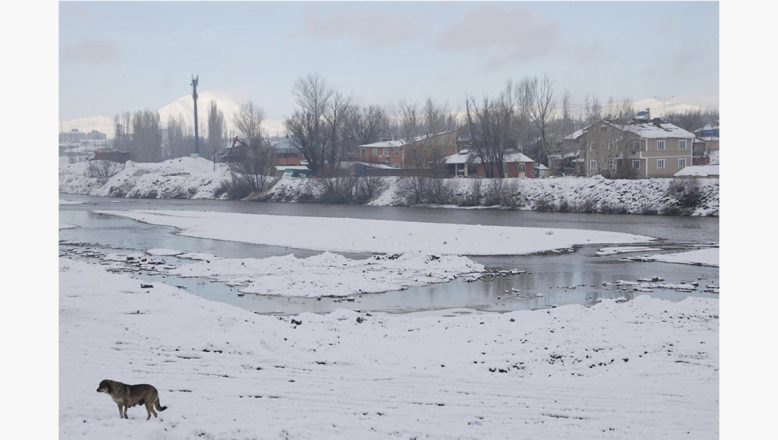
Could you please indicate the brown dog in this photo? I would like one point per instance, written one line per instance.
(126, 396)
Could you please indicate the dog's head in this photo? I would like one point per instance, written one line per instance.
(104, 387)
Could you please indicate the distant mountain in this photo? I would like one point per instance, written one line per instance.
(182, 106)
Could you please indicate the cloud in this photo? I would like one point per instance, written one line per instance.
(362, 26)
(89, 51)
(507, 36)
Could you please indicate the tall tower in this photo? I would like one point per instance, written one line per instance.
(195, 80)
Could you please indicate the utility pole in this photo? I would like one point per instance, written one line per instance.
(195, 80)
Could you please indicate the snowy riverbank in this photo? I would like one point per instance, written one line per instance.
(645, 368)
(199, 179)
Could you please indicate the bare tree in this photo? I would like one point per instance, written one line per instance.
(491, 126)
(176, 138)
(216, 129)
(146, 137)
(542, 111)
(593, 110)
(369, 124)
(254, 157)
(523, 97)
(308, 128)
(336, 115)
(410, 122)
(434, 116)
(122, 137)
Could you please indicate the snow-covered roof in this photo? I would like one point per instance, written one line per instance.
(291, 167)
(466, 156)
(376, 165)
(384, 144)
(576, 134)
(401, 142)
(699, 171)
(540, 166)
(651, 131)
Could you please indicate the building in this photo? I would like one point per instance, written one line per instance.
(706, 144)
(286, 154)
(635, 149)
(468, 164)
(423, 152)
(73, 136)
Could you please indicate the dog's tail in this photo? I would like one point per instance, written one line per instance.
(158, 406)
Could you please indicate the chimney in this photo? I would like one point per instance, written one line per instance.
(657, 122)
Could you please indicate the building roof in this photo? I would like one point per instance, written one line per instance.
(650, 131)
(283, 145)
(576, 134)
(291, 167)
(465, 156)
(401, 142)
(699, 171)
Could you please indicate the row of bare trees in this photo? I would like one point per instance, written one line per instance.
(327, 126)
(519, 117)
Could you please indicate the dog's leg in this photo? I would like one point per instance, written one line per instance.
(121, 415)
(150, 410)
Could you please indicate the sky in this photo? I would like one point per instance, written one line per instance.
(116, 56)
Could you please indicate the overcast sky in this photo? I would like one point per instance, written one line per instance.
(130, 56)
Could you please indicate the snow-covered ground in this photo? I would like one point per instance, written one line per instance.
(198, 178)
(329, 274)
(705, 257)
(614, 250)
(645, 368)
(374, 236)
(182, 178)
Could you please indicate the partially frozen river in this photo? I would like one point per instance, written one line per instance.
(550, 280)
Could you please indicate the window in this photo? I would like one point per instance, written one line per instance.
(522, 168)
(635, 146)
(660, 145)
(682, 144)
(636, 164)
(386, 152)
(603, 128)
(375, 152)
(396, 152)
(593, 165)
(681, 163)
(660, 164)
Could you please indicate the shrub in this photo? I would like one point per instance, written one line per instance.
(686, 192)
(587, 205)
(472, 197)
(543, 204)
(103, 168)
(341, 189)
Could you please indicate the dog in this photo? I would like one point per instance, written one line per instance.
(127, 396)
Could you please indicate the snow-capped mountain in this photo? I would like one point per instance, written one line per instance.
(182, 106)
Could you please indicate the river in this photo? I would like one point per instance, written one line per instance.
(550, 280)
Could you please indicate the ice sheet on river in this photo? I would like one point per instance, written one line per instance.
(330, 274)
(374, 236)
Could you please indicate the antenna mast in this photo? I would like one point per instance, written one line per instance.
(195, 80)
